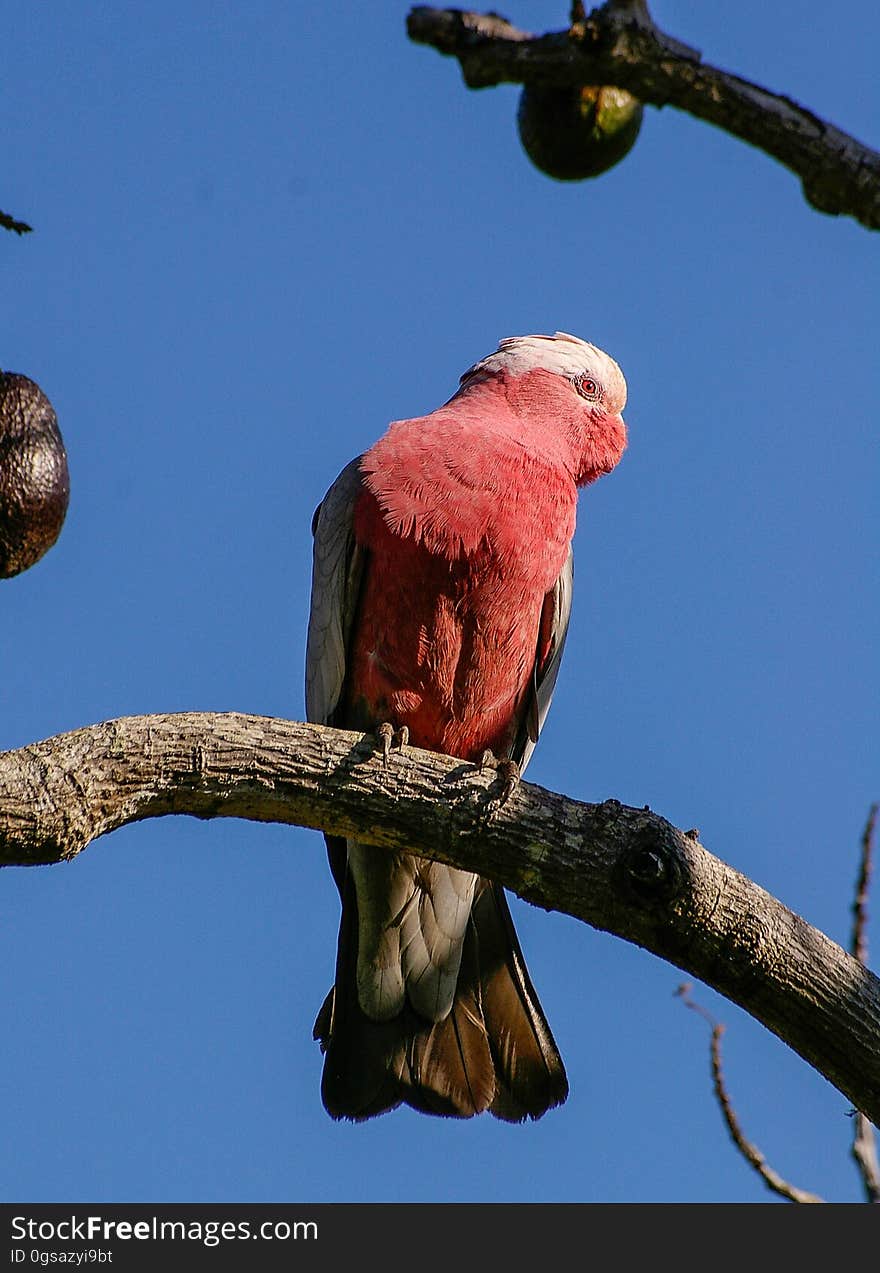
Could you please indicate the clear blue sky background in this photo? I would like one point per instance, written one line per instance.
(262, 231)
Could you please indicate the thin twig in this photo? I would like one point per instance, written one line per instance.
(864, 1151)
(859, 945)
(10, 223)
(864, 1146)
(750, 1152)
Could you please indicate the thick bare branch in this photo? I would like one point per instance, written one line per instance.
(618, 44)
(623, 870)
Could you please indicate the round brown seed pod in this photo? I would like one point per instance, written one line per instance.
(34, 479)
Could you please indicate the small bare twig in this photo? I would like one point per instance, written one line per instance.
(864, 1151)
(750, 1152)
(859, 945)
(864, 1146)
(10, 223)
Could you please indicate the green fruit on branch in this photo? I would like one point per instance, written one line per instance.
(572, 133)
(34, 481)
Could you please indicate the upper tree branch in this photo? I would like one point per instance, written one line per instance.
(624, 870)
(619, 44)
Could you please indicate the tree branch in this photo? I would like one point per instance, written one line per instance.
(618, 44)
(864, 1145)
(623, 870)
(749, 1151)
(9, 223)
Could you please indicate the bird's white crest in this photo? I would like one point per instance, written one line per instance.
(562, 354)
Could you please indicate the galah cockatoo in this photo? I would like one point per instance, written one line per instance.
(441, 594)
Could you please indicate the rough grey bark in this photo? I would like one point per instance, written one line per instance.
(618, 44)
(624, 870)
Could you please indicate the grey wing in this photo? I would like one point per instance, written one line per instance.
(552, 632)
(337, 567)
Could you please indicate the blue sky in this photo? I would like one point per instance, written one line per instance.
(261, 233)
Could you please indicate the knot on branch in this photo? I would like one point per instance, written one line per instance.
(625, 27)
(823, 192)
(651, 869)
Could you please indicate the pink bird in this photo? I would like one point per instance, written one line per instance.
(441, 593)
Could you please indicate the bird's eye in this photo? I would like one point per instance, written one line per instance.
(587, 387)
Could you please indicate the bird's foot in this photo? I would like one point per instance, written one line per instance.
(507, 770)
(390, 737)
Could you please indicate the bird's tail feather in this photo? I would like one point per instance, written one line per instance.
(493, 1051)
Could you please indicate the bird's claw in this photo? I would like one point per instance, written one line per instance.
(507, 770)
(508, 773)
(389, 737)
